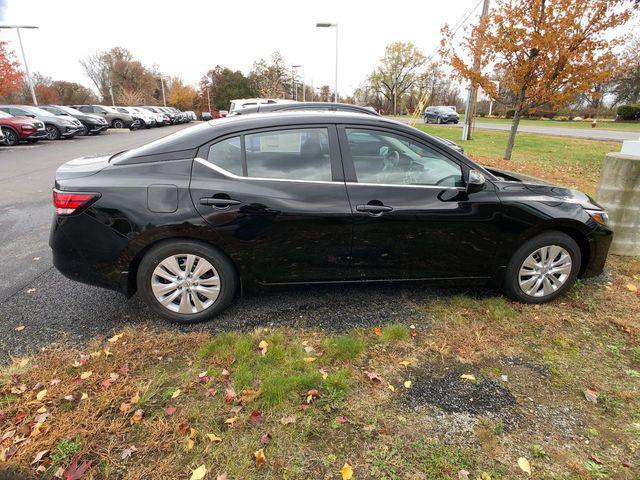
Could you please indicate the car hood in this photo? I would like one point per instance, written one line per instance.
(541, 187)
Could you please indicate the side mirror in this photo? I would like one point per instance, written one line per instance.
(30, 115)
(475, 182)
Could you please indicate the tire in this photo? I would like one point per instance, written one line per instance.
(222, 269)
(53, 132)
(117, 123)
(439, 121)
(84, 132)
(11, 138)
(556, 245)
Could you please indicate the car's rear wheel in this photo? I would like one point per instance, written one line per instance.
(11, 138)
(117, 123)
(543, 268)
(53, 133)
(83, 131)
(187, 281)
(439, 121)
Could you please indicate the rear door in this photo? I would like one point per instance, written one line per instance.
(413, 217)
(278, 198)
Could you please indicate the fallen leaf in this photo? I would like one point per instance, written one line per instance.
(374, 377)
(135, 399)
(54, 382)
(198, 473)
(405, 363)
(524, 465)
(18, 389)
(23, 362)
(85, 375)
(127, 452)
(591, 395)
(256, 417)
(222, 476)
(107, 352)
(631, 287)
(288, 420)
(19, 328)
(341, 419)
(346, 471)
(189, 443)
(84, 396)
(39, 456)
(137, 416)
(6, 435)
(76, 471)
(41, 394)
(115, 338)
(231, 421)
(124, 369)
(391, 387)
(596, 459)
(42, 409)
(170, 410)
(324, 373)
(468, 376)
(262, 346)
(125, 407)
(260, 458)
(213, 437)
(182, 428)
(31, 290)
(265, 438)
(309, 359)
(211, 392)
(463, 475)
(312, 395)
(377, 331)
(407, 384)
(229, 395)
(176, 393)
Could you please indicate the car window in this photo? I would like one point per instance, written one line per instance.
(122, 110)
(18, 112)
(297, 154)
(386, 158)
(227, 154)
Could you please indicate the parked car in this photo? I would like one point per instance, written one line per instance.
(191, 114)
(293, 106)
(145, 118)
(205, 116)
(161, 118)
(2, 137)
(311, 197)
(240, 103)
(440, 115)
(56, 126)
(114, 118)
(17, 129)
(91, 124)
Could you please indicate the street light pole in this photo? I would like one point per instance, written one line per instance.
(335, 25)
(164, 100)
(293, 69)
(24, 58)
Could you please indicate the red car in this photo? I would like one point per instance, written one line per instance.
(16, 129)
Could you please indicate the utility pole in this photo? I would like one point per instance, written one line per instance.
(473, 90)
(208, 99)
(24, 57)
(164, 100)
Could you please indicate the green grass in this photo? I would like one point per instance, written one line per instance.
(343, 347)
(395, 332)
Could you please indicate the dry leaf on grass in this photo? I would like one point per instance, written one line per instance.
(259, 456)
(524, 465)
(262, 346)
(346, 471)
(199, 473)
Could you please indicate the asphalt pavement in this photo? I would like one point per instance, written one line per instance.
(559, 131)
(55, 310)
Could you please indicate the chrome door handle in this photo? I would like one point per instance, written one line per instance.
(219, 202)
(379, 209)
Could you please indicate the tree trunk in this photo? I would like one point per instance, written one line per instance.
(514, 126)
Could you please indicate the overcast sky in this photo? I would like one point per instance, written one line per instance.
(187, 37)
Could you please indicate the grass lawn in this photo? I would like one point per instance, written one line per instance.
(471, 383)
(467, 385)
(571, 162)
(602, 124)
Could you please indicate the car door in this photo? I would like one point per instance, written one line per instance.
(413, 217)
(278, 200)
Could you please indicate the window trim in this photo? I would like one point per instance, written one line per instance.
(351, 177)
(337, 169)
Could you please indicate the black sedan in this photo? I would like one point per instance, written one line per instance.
(312, 197)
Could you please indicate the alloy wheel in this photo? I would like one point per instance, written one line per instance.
(11, 138)
(545, 271)
(185, 283)
(118, 124)
(52, 132)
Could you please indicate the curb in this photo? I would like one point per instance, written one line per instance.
(118, 130)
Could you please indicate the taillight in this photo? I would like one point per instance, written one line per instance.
(68, 203)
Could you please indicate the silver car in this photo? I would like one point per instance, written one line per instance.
(57, 126)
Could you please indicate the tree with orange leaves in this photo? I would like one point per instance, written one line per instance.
(10, 75)
(545, 51)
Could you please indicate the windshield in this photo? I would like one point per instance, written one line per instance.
(38, 111)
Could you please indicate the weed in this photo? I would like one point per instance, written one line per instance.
(63, 451)
(596, 470)
(538, 452)
(395, 332)
(344, 347)
(499, 309)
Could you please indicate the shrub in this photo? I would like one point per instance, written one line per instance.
(629, 112)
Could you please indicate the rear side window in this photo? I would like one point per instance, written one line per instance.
(297, 154)
(227, 155)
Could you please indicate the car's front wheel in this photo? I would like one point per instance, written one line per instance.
(53, 133)
(187, 281)
(117, 123)
(11, 138)
(543, 268)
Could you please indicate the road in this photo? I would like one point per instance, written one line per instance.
(54, 309)
(593, 134)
